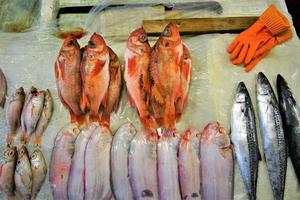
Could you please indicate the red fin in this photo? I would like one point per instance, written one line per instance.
(105, 120)
(25, 138)
(156, 95)
(80, 119)
(38, 140)
(10, 138)
(131, 66)
(153, 67)
(93, 118)
(62, 100)
(149, 123)
(131, 101)
(60, 69)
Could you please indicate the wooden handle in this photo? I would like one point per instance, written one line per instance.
(201, 25)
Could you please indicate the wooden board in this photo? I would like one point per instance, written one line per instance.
(201, 25)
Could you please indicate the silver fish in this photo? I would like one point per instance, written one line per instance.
(290, 113)
(44, 118)
(13, 113)
(61, 158)
(7, 170)
(167, 149)
(189, 165)
(274, 143)
(23, 174)
(97, 165)
(76, 176)
(142, 166)
(39, 171)
(244, 139)
(3, 89)
(31, 113)
(216, 163)
(119, 157)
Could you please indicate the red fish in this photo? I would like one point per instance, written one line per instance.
(166, 59)
(114, 88)
(136, 75)
(95, 76)
(68, 80)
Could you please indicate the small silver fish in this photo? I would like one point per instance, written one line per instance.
(119, 157)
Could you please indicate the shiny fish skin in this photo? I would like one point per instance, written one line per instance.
(244, 139)
(189, 165)
(3, 88)
(44, 118)
(119, 157)
(167, 149)
(23, 174)
(39, 171)
(13, 113)
(216, 163)
(142, 166)
(290, 113)
(76, 176)
(97, 165)
(274, 143)
(61, 158)
(31, 113)
(7, 170)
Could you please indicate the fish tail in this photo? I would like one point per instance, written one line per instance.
(38, 140)
(105, 120)
(80, 119)
(94, 118)
(10, 138)
(169, 119)
(25, 137)
(149, 122)
(84, 103)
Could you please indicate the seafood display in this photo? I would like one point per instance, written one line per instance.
(272, 132)
(3, 89)
(244, 138)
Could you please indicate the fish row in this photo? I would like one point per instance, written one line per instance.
(22, 175)
(33, 112)
(93, 164)
(279, 125)
(88, 79)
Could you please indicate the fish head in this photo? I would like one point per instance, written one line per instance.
(96, 43)
(70, 44)
(138, 41)
(10, 154)
(283, 89)
(20, 93)
(36, 155)
(170, 37)
(216, 134)
(263, 85)
(33, 90)
(242, 94)
(22, 151)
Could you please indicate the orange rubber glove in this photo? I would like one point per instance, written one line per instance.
(271, 23)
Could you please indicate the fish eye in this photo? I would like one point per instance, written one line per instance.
(92, 44)
(143, 38)
(11, 153)
(167, 32)
(71, 43)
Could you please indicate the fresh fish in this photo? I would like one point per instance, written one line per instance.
(114, 88)
(119, 157)
(68, 79)
(76, 177)
(189, 165)
(244, 139)
(216, 164)
(136, 75)
(13, 113)
(39, 171)
(166, 59)
(7, 171)
(290, 113)
(167, 149)
(142, 166)
(31, 113)
(44, 118)
(61, 158)
(23, 174)
(97, 165)
(95, 76)
(274, 143)
(3, 89)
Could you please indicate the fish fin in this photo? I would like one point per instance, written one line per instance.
(131, 101)
(60, 69)
(169, 118)
(148, 122)
(38, 140)
(62, 100)
(84, 103)
(10, 138)
(25, 137)
(94, 118)
(105, 120)
(98, 67)
(156, 95)
(131, 66)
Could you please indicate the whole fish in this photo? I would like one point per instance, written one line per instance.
(68, 79)
(23, 174)
(185, 77)
(3, 88)
(166, 58)
(76, 177)
(7, 171)
(167, 149)
(274, 143)
(216, 164)
(114, 88)
(136, 75)
(142, 166)
(189, 164)
(290, 113)
(95, 76)
(13, 113)
(119, 157)
(39, 171)
(97, 165)
(244, 139)
(44, 118)
(61, 158)
(31, 113)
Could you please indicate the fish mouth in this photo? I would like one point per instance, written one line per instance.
(263, 85)
(241, 93)
(281, 83)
